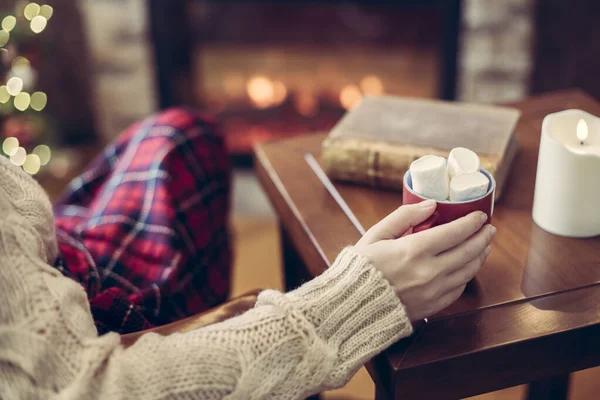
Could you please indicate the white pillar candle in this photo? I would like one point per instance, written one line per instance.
(462, 161)
(429, 177)
(468, 186)
(567, 189)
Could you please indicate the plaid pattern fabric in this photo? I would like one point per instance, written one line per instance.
(144, 228)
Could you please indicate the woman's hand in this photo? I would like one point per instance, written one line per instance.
(429, 269)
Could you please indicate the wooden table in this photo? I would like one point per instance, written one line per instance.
(533, 312)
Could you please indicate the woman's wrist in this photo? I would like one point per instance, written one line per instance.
(353, 308)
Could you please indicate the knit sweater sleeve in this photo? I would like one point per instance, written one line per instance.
(287, 347)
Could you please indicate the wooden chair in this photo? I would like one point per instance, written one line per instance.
(227, 310)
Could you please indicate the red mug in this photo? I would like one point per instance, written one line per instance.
(448, 211)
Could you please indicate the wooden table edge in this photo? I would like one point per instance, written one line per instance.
(300, 233)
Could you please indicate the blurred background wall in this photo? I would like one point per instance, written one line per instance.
(496, 46)
(121, 58)
(271, 69)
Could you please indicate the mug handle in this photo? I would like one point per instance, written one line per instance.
(428, 223)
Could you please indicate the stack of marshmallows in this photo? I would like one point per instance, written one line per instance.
(458, 179)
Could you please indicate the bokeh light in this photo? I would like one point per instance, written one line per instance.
(32, 164)
(371, 85)
(18, 158)
(38, 24)
(10, 146)
(22, 101)
(5, 56)
(280, 92)
(46, 11)
(350, 96)
(43, 152)
(31, 11)
(60, 165)
(261, 91)
(27, 75)
(8, 23)
(4, 36)
(4, 95)
(20, 62)
(38, 101)
(14, 85)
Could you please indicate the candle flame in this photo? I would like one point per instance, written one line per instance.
(582, 130)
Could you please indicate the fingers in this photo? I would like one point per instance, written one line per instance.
(461, 276)
(467, 251)
(401, 220)
(441, 238)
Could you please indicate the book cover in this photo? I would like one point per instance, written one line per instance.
(375, 143)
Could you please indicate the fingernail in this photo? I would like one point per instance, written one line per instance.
(492, 230)
(427, 204)
(483, 217)
(487, 251)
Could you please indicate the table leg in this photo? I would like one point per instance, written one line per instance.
(379, 395)
(555, 388)
(295, 272)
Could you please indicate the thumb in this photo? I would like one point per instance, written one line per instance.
(400, 221)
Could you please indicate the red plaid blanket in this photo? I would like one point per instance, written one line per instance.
(144, 228)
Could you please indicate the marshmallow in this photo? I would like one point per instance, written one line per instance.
(429, 177)
(462, 161)
(468, 186)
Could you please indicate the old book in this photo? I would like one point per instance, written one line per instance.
(375, 143)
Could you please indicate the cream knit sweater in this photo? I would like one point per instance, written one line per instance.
(287, 347)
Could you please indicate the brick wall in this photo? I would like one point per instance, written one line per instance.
(121, 62)
(496, 50)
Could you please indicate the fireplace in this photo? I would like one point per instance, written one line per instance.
(273, 69)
